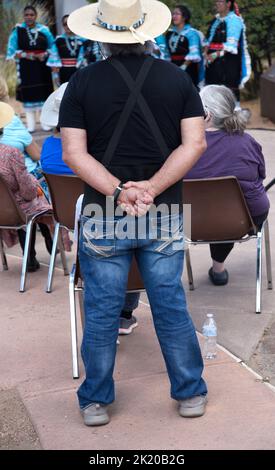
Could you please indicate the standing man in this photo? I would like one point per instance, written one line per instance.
(133, 147)
(227, 58)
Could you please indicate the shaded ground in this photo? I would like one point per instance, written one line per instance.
(263, 360)
(16, 429)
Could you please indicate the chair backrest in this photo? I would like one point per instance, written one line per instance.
(10, 213)
(64, 191)
(218, 209)
(135, 281)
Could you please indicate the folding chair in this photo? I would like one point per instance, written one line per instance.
(219, 214)
(135, 284)
(64, 191)
(13, 218)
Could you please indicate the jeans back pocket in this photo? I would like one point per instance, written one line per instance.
(169, 233)
(97, 237)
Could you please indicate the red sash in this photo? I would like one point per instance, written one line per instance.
(69, 62)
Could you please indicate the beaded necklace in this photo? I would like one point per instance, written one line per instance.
(32, 36)
(71, 46)
(174, 40)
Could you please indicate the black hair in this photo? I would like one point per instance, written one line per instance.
(57, 128)
(185, 12)
(30, 7)
(64, 17)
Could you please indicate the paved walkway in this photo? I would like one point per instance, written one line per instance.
(35, 345)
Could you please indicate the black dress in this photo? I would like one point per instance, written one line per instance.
(179, 52)
(35, 79)
(68, 50)
(90, 52)
(224, 70)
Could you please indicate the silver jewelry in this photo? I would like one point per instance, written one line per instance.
(32, 36)
(174, 41)
(71, 46)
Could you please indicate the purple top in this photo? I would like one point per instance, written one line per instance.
(235, 155)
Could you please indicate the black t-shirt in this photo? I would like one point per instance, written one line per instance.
(94, 100)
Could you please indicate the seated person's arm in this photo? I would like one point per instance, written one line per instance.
(33, 150)
(26, 183)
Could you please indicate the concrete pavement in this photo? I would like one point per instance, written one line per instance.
(35, 347)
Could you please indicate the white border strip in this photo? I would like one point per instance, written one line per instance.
(235, 358)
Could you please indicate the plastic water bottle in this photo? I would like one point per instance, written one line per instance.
(209, 331)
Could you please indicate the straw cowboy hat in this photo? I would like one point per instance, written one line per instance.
(50, 109)
(121, 21)
(6, 114)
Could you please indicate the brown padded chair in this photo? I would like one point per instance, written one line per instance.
(135, 284)
(64, 191)
(219, 214)
(12, 217)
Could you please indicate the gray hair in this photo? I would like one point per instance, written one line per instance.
(127, 49)
(220, 103)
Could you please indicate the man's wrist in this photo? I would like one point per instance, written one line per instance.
(117, 191)
(152, 190)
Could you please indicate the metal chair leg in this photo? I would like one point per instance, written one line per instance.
(26, 255)
(73, 325)
(81, 305)
(52, 259)
(63, 256)
(259, 272)
(3, 256)
(189, 269)
(268, 256)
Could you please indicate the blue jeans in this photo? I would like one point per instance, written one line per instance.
(105, 262)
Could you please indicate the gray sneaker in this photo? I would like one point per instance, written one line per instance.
(193, 407)
(126, 325)
(95, 415)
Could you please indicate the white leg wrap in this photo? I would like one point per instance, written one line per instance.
(30, 117)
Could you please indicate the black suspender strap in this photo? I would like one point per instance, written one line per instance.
(135, 96)
(151, 121)
(129, 106)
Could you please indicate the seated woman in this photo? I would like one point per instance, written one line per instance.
(15, 134)
(25, 188)
(230, 152)
(52, 162)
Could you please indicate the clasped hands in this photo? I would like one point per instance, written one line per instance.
(136, 198)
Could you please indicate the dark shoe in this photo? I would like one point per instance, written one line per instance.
(95, 415)
(126, 325)
(193, 407)
(218, 279)
(33, 266)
